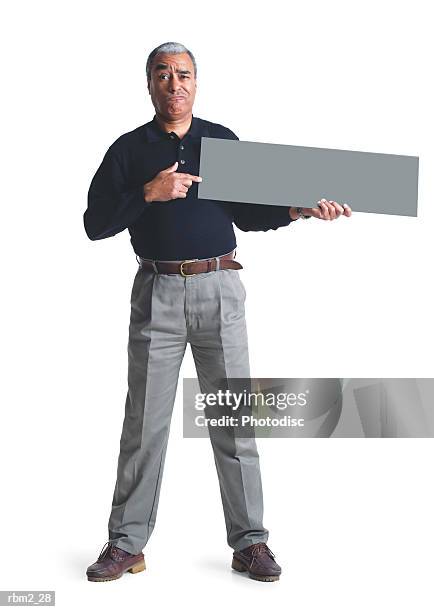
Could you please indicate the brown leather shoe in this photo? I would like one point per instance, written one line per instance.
(258, 560)
(113, 562)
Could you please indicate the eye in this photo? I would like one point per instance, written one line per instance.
(162, 75)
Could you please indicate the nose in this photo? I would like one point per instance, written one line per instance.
(174, 83)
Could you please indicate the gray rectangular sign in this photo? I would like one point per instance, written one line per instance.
(287, 175)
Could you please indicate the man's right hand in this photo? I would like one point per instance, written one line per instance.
(169, 185)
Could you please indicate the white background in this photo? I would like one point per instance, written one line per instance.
(350, 520)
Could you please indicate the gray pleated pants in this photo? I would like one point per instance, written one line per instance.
(167, 312)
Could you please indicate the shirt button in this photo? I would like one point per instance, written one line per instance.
(182, 161)
(182, 147)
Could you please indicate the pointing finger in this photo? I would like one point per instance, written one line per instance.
(192, 177)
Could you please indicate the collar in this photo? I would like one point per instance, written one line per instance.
(155, 133)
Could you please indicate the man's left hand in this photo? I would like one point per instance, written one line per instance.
(328, 210)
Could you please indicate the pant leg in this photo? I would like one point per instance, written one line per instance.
(156, 346)
(218, 336)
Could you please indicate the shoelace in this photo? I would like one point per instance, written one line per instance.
(104, 550)
(257, 549)
(110, 549)
(113, 551)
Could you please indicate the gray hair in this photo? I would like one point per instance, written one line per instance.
(172, 48)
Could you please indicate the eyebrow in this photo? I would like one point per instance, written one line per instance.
(165, 66)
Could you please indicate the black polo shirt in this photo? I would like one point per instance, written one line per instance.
(184, 228)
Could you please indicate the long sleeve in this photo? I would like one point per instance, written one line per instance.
(258, 217)
(112, 203)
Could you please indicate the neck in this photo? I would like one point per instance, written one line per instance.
(179, 126)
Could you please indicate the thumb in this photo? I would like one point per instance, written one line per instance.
(172, 168)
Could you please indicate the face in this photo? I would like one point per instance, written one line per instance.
(172, 86)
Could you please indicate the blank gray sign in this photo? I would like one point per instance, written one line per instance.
(286, 175)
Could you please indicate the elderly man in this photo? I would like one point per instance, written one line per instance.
(187, 289)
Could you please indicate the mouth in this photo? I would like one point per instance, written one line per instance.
(176, 98)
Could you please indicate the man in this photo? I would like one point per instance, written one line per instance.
(187, 290)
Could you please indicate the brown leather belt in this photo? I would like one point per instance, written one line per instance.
(190, 267)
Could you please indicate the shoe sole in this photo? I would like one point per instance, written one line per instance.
(240, 567)
(135, 569)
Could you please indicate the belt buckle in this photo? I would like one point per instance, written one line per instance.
(186, 261)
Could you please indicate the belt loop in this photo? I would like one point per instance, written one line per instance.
(154, 265)
(217, 266)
